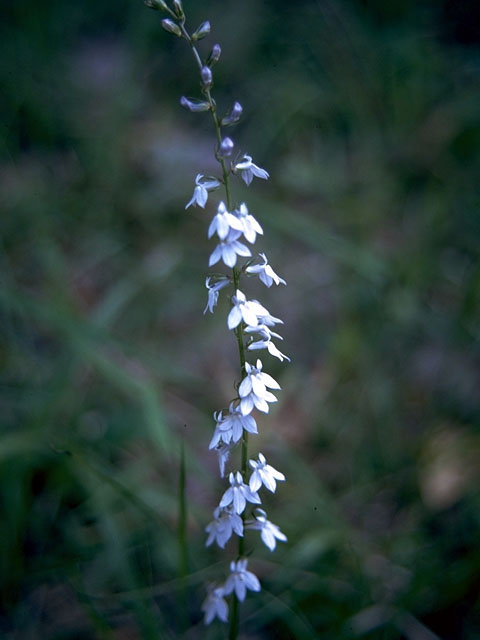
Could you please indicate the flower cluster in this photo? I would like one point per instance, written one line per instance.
(235, 230)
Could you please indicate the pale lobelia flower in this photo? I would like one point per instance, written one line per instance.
(238, 494)
(253, 389)
(247, 170)
(240, 580)
(215, 605)
(266, 341)
(271, 347)
(223, 453)
(225, 523)
(200, 193)
(265, 272)
(265, 474)
(264, 332)
(269, 532)
(250, 225)
(213, 290)
(266, 336)
(230, 427)
(269, 320)
(246, 310)
(228, 250)
(223, 222)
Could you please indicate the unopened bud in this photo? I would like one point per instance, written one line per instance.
(207, 77)
(156, 4)
(171, 27)
(214, 55)
(177, 7)
(194, 105)
(202, 31)
(226, 147)
(233, 116)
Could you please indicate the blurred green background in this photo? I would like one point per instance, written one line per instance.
(366, 114)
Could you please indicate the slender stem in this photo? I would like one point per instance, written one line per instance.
(234, 619)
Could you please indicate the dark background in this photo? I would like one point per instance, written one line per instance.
(366, 115)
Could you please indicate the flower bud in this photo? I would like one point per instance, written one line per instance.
(177, 7)
(214, 55)
(171, 27)
(206, 77)
(233, 116)
(156, 4)
(202, 31)
(194, 105)
(226, 147)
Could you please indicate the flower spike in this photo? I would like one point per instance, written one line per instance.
(234, 230)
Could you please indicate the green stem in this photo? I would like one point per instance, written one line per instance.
(234, 618)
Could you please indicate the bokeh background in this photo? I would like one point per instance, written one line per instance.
(366, 114)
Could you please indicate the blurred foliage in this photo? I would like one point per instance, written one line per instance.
(366, 114)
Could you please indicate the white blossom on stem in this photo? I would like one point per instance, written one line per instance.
(272, 349)
(238, 494)
(215, 605)
(240, 580)
(248, 169)
(200, 193)
(230, 427)
(266, 342)
(265, 474)
(269, 532)
(223, 221)
(249, 224)
(263, 331)
(246, 310)
(265, 272)
(213, 290)
(223, 453)
(253, 389)
(225, 522)
(228, 250)
(269, 320)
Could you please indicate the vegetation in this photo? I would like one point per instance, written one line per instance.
(368, 114)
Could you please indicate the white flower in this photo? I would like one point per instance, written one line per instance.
(266, 343)
(264, 332)
(213, 290)
(265, 474)
(248, 170)
(265, 272)
(250, 226)
(230, 427)
(223, 453)
(253, 391)
(200, 193)
(271, 347)
(240, 580)
(222, 222)
(215, 605)
(220, 530)
(238, 493)
(269, 320)
(246, 310)
(269, 532)
(228, 250)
